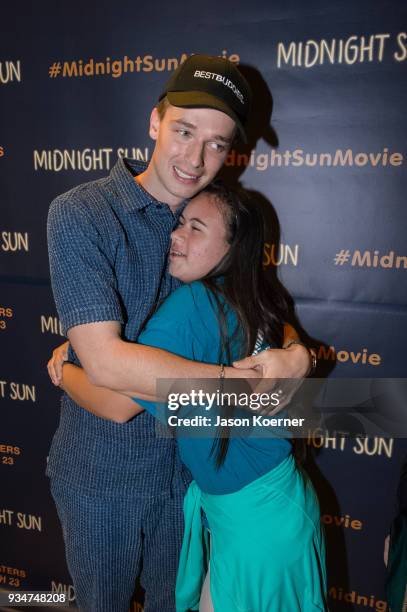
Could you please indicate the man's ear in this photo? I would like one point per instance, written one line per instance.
(154, 124)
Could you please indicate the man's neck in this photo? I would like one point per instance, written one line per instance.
(147, 182)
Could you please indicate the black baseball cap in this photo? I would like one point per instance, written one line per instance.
(207, 81)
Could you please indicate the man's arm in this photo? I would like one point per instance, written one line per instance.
(133, 368)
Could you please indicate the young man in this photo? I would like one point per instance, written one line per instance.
(118, 488)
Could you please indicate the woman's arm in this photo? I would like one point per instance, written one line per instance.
(100, 401)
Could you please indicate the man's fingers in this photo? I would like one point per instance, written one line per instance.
(285, 389)
(244, 364)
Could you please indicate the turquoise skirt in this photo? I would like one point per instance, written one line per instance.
(267, 546)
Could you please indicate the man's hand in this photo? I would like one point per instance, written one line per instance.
(274, 366)
(54, 365)
(293, 362)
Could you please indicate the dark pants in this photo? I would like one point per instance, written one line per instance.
(121, 513)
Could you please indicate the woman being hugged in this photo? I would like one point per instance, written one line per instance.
(266, 545)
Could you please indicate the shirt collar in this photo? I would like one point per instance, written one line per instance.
(131, 194)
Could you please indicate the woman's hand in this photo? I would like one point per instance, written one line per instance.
(54, 365)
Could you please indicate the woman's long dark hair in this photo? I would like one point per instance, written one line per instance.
(260, 301)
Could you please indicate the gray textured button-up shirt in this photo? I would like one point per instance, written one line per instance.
(108, 242)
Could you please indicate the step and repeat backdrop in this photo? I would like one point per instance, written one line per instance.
(327, 154)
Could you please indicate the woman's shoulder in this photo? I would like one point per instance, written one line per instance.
(190, 294)
(195, 288)
(185, 302)
(192, 304)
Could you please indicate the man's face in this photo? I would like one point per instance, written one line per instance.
(191, 146)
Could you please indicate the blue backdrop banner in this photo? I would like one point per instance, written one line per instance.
(326, 155)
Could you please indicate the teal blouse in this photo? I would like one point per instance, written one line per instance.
(187, 324)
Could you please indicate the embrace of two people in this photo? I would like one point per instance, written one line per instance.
(157, 273)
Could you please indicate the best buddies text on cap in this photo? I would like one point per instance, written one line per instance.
(206, 81)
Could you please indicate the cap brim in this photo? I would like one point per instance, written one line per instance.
(201, 99)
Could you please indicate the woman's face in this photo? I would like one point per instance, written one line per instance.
(199, 242)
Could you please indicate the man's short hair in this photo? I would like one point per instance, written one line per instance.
(162, 106)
